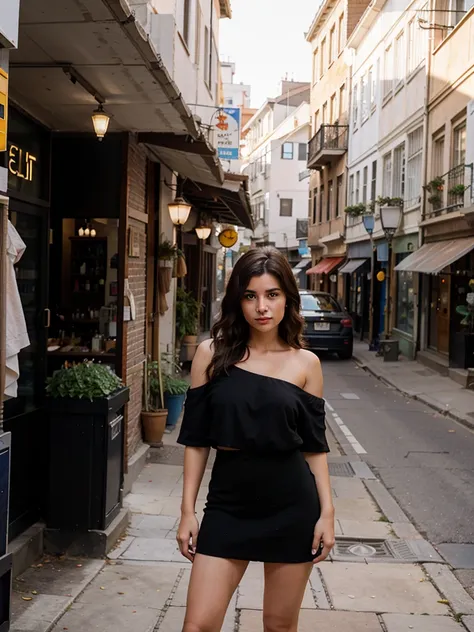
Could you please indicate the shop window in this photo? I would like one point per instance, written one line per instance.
(404, 300)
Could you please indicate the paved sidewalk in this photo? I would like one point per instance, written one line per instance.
(382, 576)
(411, 378)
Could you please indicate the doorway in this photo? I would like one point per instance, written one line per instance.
(24, 415)
(440, 288)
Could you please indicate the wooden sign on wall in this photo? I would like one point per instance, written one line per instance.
(133, 243)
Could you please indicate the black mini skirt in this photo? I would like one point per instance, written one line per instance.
(260, 507)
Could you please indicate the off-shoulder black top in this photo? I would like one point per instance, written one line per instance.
(253, 412)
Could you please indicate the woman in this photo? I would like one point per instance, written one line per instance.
(256, 396)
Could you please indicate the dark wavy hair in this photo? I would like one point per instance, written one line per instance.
(230, 333)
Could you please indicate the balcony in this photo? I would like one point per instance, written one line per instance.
(329, 142)
(450, 192)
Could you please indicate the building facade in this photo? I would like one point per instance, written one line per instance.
(276, 143)
(327, 153)
(386, 159)
(444, 263)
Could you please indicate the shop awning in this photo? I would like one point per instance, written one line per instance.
(301, 265)
(326, 265)
(72, 54)
(227, 204)
(352, 265)
(193, 159)
(433, 258)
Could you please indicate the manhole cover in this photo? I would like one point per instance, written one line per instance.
(341, 469)
(360, 548)
(375, 549)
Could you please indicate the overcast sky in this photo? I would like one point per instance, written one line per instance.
(265, 39)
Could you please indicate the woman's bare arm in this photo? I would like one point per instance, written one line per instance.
(195, 459)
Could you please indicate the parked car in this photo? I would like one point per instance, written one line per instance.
(328, 326)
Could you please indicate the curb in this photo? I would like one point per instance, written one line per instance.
(467, 423)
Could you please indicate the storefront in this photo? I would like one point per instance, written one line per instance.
(28, 160)
(356, 278)
(325, 276)
(446, 268)
(404, 296)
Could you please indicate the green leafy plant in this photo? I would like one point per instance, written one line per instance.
(187, 314)
(389, 201)
(87, 380)
(162, 377)
(355, 210)
(434, 199)
(457, 190)
(175, 385)
(437, 184)
(167, 250)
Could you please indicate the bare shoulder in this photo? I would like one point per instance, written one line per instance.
(313, 372)
(201, 361)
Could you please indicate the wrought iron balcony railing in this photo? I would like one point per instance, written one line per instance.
(451, 191)
(329, 142)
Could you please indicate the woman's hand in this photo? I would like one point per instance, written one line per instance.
(323, 534)
(187, 535)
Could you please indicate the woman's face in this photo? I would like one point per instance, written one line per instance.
(264, 302)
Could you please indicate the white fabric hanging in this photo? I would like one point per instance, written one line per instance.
(17, 334)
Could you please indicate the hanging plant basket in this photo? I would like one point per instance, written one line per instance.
(164, 280)
(181, 268)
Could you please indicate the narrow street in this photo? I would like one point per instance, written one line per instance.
(423, 458)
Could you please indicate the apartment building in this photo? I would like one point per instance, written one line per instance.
(445, 262)
(388, 53)
(327, 151)
(276, 142)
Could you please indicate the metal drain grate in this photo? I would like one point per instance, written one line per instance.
(341, 469)
(374, 549)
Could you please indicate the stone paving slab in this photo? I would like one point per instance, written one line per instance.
(458, 555)
(469, 622)
(356, 509)
(99, 617)
(44, 612)
(146, 526)
(351, 488)
(447, 583)
(251, 589)
(318, 621)
(365, 529)
(397, 588)
(153, 549)
(419, 623)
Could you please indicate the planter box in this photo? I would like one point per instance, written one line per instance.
(86, 444)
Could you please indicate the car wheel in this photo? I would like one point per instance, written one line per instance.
(346, 354)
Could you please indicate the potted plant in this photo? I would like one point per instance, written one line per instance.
(86, 444)
(175, 395)
(355, 210)
(187, 317)
(167, 254)
(154, 411)
(175, 389)
(390, 201)
(458, 190)
(435, 189)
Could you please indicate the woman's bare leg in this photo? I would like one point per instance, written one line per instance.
(213, 582)
(285, 585)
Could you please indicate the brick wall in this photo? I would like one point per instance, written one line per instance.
(135, 330)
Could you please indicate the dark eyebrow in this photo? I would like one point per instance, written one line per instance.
(275, 289)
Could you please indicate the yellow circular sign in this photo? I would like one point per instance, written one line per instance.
(381, 276)
(228, 237)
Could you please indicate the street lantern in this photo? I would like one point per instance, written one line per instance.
(203, 232)
(390, 217)
(369, 223)
(100, 120)
(179, 211)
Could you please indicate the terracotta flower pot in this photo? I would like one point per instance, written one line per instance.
(189, 344)
(154, 424)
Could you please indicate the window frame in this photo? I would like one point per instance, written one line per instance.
(286, 200)
(283, 152)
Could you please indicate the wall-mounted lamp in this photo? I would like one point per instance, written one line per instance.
(100, 120)
(179, 211)
(203, 232)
